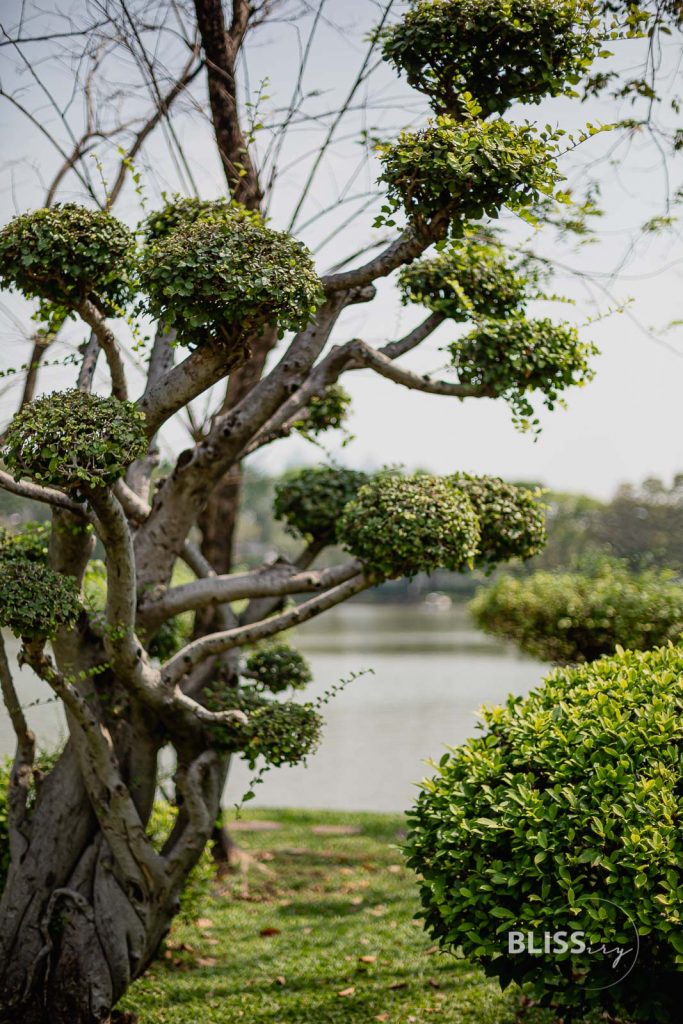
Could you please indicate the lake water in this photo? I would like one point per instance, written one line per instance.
(431, 671)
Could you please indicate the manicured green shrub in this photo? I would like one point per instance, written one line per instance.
(277, 666)
(515, 357)
(311, 500)
(573, 617)
(566, 814)
(445, 49)
(400, 526)
(179, 212)
(325, 412)
(68, 253)
(34, 600)
(467, 169)
(73, 438)
(30, 542)
(511, 518)
(470, 277)
(216, 279)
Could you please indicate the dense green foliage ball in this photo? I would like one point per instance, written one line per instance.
(400, 526)
(68, 253)
(310, 501)
(470, 277)
(73, 439)
(467, 169)
(511, 519)
(573, 617)
(277, 665)
(325, 412)
(516, 356)
(572, 793)
(216, 279)
(30, 543)
(278, 732)
(34, 600)
(180, 212)
(499, 51)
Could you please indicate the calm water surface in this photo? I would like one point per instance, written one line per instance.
(432, 670)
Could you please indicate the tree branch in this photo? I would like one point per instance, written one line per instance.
(46, 495)
(109, 345)
(269, 581)
(216, 643)
(22, 767)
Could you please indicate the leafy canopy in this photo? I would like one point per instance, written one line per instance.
(276, 666)
(67, 253)
(511, 518)
(34, 600)
(516, 356)
(216, 279)
(498, 51)
(310, 501)
(465, 170)
(573, 792)
(74, 439)
(470, 277)
(574, 617)
(400, 526)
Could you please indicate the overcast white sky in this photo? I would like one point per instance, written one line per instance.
(624, 426)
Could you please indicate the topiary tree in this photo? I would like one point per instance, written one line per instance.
(88, 894)
(579, 616)
(562, 819)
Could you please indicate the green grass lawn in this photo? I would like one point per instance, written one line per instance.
(327, 935)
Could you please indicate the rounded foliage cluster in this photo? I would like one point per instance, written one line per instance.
(325, 412)
(180, 212)
(400, 526)
(216, 279)
(515, 356)
(470, 277)
(276, 666)
(74, 439)
(310, 501)
(468, 169)
(498, 51)
(280, 733)
(34, 600)
(511, 519)
(573, 617)
(564, 815)
(66, 254)
(30, 543)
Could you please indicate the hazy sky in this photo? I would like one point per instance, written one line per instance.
(624, 426)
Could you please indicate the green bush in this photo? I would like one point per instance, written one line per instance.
(516, 356)
(310, 501)
(575, 617)
(400, 526)
(217, 278)
(467, 169)
(470, 277)
(30, 541)
(276, 666)
(68, 253)
(35, 601)
(541, 46)
(565, 814)
(511, 518)
(72, 438)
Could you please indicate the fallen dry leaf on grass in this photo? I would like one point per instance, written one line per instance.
(381, 1016)
(367, 959)
(206, 961)
(399, 984)
(204, 922)
(280, 980)
(267, 932)
(347, 991)
(395, 869)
